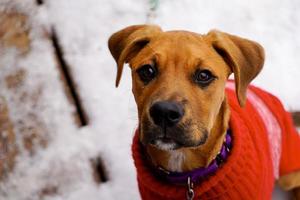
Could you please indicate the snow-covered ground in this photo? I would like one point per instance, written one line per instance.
(83, 27)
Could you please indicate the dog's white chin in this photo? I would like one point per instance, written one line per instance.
(167, 146)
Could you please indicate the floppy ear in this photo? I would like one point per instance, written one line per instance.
(126, 43)
(244, 57)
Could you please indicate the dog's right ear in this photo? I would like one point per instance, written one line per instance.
(244, 57)
(126, 43)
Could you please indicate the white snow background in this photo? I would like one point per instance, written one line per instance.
(84, 27)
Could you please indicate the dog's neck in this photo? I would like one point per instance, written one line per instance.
(186, 159)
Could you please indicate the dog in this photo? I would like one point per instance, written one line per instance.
(200, 135)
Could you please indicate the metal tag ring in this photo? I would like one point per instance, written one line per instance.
(190, 192)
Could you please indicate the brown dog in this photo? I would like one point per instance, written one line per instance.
(179, 81)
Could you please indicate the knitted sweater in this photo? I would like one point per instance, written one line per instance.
(265, 146)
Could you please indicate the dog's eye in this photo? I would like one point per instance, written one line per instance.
(203, 77)
(147, 73)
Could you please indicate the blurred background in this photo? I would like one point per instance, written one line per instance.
(65, 131)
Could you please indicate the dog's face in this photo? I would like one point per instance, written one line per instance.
(178, 80)
(178, 84)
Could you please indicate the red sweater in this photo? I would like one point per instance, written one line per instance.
(254, 163)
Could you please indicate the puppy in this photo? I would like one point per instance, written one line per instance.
(201, 136)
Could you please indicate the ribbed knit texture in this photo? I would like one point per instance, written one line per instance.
(248, 172)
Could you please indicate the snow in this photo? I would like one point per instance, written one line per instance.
(83, 28)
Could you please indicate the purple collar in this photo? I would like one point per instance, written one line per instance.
(198, 175)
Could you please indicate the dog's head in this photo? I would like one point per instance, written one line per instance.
(178, 79)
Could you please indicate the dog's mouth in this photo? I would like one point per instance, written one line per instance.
(165, 143)
(171, 138)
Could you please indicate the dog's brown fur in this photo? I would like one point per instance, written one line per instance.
(177, 55)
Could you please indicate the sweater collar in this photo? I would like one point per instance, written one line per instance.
(199, 174)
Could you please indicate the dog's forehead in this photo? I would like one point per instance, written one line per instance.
(181, 46)
(179, 42)
(184, 38)
(180, 34)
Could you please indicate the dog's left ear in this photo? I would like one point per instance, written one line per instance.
(244, 57)
(126, 43)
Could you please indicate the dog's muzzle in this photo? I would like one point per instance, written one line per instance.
(165, 128)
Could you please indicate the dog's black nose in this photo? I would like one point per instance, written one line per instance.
(166, 113)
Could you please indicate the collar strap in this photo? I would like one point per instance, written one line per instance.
(199, 174)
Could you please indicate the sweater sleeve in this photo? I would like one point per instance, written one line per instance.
(290, 154)
(290, 139)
